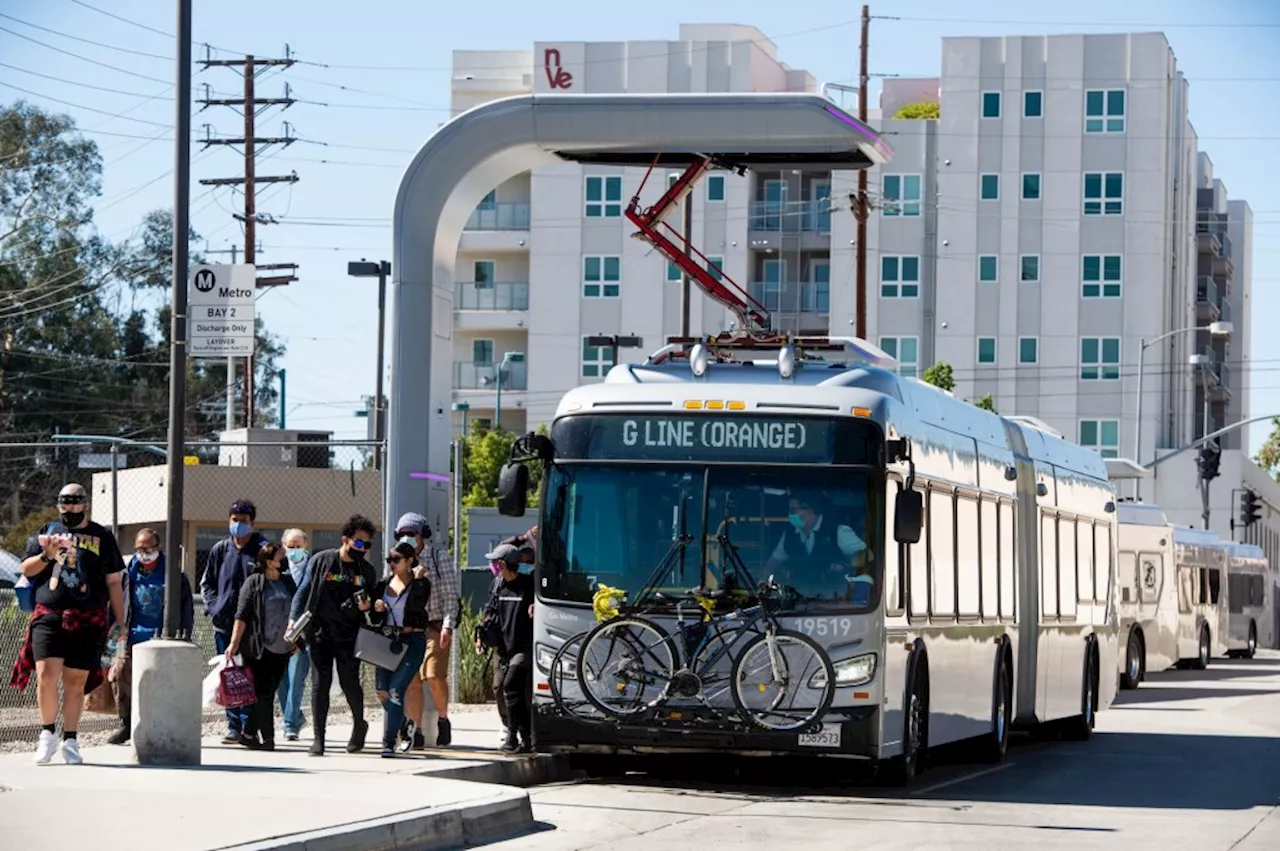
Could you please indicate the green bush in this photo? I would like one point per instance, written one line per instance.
(475, 671)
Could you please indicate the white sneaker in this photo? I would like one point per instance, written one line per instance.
(71, 752)
(46, 747)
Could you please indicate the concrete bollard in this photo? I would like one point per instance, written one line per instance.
(166, 720)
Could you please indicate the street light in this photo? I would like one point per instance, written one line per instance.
(366, 269)
(462, 407)
(1215, 329)
(507, 359)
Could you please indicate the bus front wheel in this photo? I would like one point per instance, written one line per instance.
(1134, 661)
(1202, 656)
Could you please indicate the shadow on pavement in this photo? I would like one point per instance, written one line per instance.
(1145, 694)
(1219, 669)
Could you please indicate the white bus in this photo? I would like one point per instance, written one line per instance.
(1250, 622)
(1148, 599)
(963, 584)
(1201, 558)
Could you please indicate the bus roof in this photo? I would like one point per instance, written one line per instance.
(1141, 514)
(1189, 536)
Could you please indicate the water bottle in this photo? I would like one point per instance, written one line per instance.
(57, 528)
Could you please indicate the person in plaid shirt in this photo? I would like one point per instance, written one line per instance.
(443, 610)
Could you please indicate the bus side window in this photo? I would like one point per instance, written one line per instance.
(942, 552)
(1103, 563)
(918, 564)
(1068, 593)
(1215, 585)
(1048, 565)
(968, 567)
(896, 556)
(1085, 555)
(992, 544)
(1186, 589)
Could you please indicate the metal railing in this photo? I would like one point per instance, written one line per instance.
(1207, 290)
(1226, 245)
(500, 217)
(793, 296)
(489, 295)
(790, 216)
(469, 375)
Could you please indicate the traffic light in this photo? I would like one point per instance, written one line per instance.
(1250, 509)
(1210, 456)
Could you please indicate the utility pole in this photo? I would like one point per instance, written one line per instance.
(249, 106)
(860, 209)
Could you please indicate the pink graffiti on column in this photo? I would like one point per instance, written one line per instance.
(557, 76)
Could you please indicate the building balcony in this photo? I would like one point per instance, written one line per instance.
(469, 375)
(798, 307)
(491, 306)
(500, 217)
(1222, 391)
(1208, 300)
(770, 221)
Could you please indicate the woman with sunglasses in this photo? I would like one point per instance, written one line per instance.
(400, 609)
(262, 615)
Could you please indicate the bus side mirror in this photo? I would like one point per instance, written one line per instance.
(513, 490)
(908, 516)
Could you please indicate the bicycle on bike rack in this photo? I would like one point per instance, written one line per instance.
(629, 665)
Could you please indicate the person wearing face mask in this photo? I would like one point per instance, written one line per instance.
(74, 566)
(400, 611)
(295, 678)
(335, 593)
(143, 595)
(230, 562)
(507, 629)
(815, 555)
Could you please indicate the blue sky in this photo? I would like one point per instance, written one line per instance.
(359, 138)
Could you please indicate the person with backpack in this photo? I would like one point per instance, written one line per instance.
(506, 627)
(230, 562)
(144, 581)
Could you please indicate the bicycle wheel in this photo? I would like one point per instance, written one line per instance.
(566, 691)
(787, 690)
(626, 665)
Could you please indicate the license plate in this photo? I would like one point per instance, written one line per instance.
(828, 736)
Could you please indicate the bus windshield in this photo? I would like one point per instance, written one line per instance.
(816, 530)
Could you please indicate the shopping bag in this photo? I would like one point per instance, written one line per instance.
(26, 594)
(209, 688)
(235, 687)
(102, 700)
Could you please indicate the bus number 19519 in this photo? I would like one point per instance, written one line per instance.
(824, 627)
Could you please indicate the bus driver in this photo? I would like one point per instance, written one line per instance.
(821, 567)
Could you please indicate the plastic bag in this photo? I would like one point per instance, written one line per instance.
(235, 687)
(209, 688)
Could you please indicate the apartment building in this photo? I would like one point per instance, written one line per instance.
(547, 260)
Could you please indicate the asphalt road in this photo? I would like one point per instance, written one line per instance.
(1189, 761)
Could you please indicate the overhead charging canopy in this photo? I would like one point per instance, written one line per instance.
(478, 150)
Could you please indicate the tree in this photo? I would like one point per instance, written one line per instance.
(987, 403)
(1268, 457)
(920, 109)
(939, 375)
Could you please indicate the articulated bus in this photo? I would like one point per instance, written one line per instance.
(1250, 621)
(1201, 559)
(955, 567)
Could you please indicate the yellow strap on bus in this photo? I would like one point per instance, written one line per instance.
(605, 602)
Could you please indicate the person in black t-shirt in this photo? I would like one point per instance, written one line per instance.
(507, 627)
(335, 592)
(74, 565)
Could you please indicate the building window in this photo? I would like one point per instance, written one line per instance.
(482, 273)
(715, 267)
(986, 350)
(990, 184)
(1029, 268)
(900, 194)
(596, 360)
(1028, 350)
(988, 268)
(1099, 358)
(1103, 193)
(1030, 187)
(1101, 435)
(674, 272)
(1102, 275)
(907, 352)
(1033, 104)
(715, 187)
(1104, 111)
(601, 276)
(990, 104)
(899, 277)
(482, 352)
(490, 201)
(604, 197)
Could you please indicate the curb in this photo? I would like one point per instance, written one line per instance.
(521, 772)
(505, 814)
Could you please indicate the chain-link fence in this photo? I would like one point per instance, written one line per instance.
(312, 485)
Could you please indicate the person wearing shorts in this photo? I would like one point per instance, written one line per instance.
(443, 608)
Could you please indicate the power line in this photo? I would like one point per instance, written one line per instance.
(1206, 25)
(86, 40)
(86, 59)
(88, 108)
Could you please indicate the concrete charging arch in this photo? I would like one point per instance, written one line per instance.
(483, 147)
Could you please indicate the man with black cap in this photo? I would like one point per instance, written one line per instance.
(443, 609)
(507, 628)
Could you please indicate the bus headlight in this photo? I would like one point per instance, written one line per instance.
(545, 656)
(849, 672)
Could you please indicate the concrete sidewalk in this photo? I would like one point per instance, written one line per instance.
(280, 800)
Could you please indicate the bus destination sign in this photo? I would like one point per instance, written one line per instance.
(699, 438)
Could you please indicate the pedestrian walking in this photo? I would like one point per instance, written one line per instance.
(143, 592)
(334, 597)
(295, 677)
(506, 627)
(74, 566)
(400, 611)
(443, 611)
(262, 617)
(230, 562)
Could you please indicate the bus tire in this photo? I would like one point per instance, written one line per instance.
(994, 746)
(1205, 650)
(1080, 728)
(1135, 660)
(902, 769)
(1252, 647)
